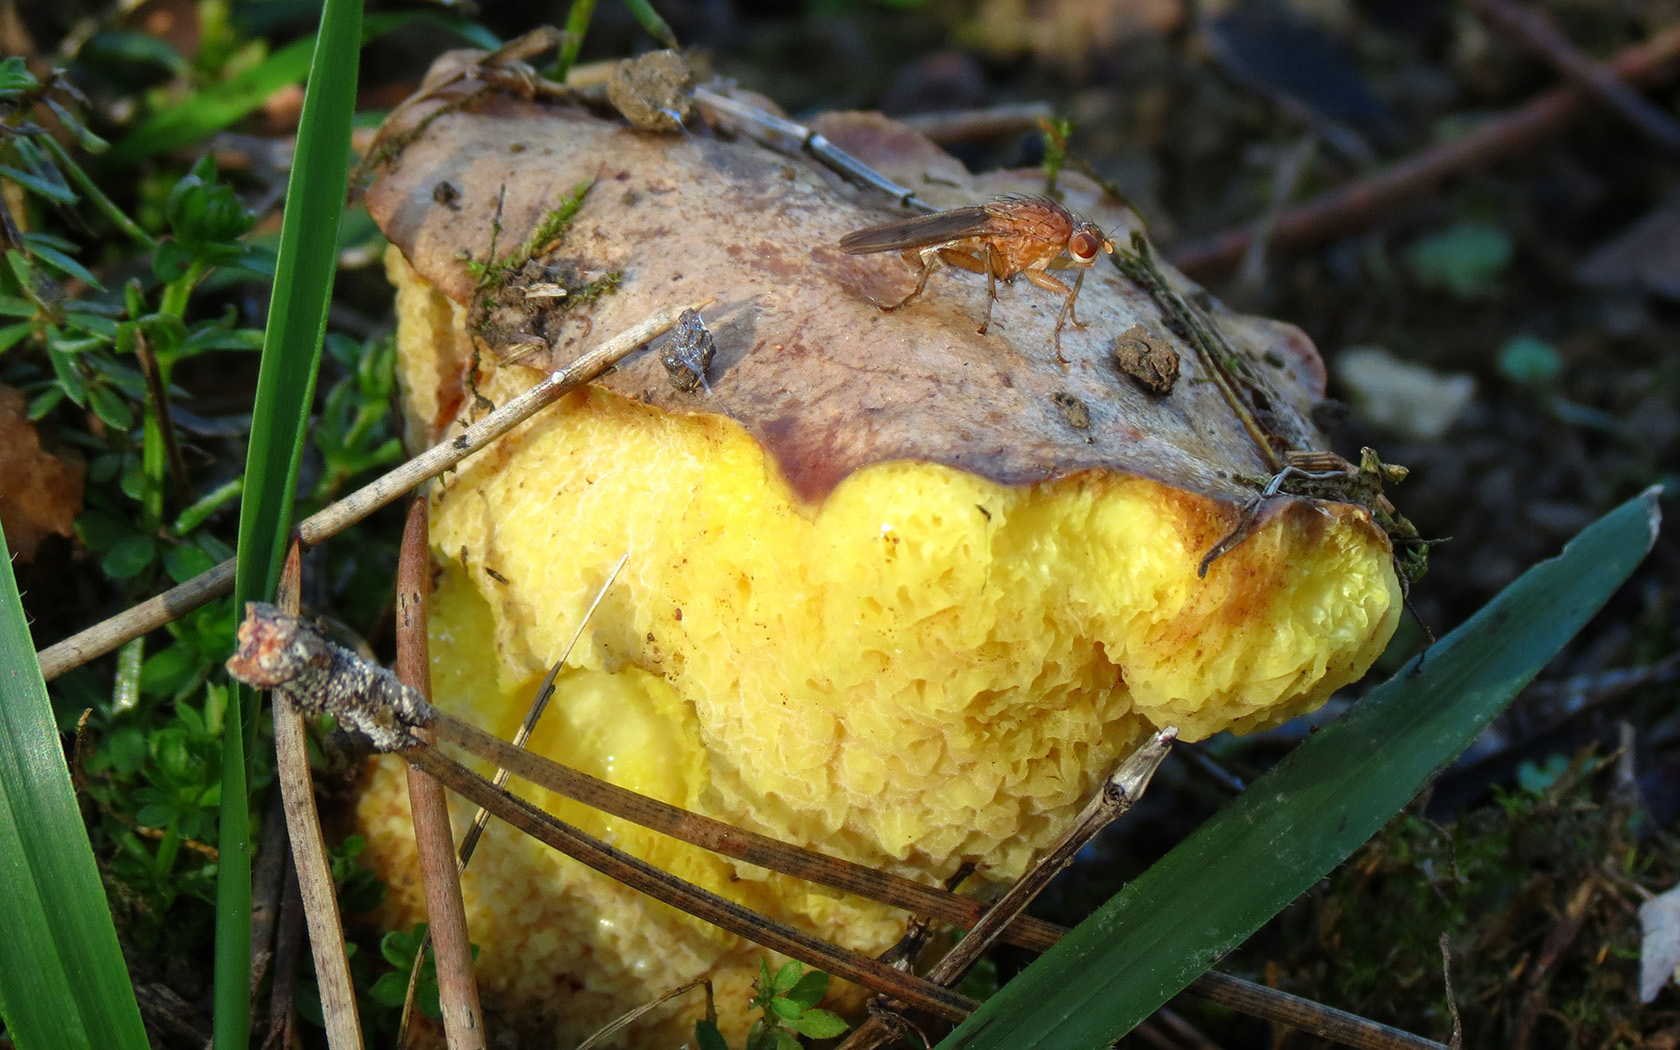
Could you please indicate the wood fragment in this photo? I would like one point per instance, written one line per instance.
(1538, 34)
(309, 851)
(1366, 202)
(463, 1019)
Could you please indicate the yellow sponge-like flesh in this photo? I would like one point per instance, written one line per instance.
(927, 669)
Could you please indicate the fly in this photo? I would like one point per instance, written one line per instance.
(1005, 238)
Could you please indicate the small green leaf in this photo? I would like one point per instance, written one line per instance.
(166, 671)
(172, 756)
(13, 334)
(123, 752)
(203, 211)
(1529, 361)
(129, 557)
(786, 977)
(110, 408)
(193, 516)
(784, 1008)
(155, 815)
(57, 260)
(56, 192)
(810, 989)
(101, 531)
(122, 46)
(707, 1036)
(15, 77)
(399, 946)
(391, 989)
(820, 1024)
(68, 376)
(1466, 259)
(45, 402)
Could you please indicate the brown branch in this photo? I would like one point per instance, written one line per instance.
(1534, 30)
(267, 881)
(158, 394)
(709, 907)
(281, 1015)
(463, 1020)
(1027, 932)
(965, 125)
(737, 843)
(309, 850)
(1363, 203)
(1120, 791)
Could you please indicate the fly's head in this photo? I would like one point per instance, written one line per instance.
(1087, 242)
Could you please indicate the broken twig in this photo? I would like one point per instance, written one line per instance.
(1367, 201)
(214, 583)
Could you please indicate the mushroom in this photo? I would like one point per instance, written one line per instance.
(895, 590)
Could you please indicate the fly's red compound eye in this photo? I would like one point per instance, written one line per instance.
(1084, 246)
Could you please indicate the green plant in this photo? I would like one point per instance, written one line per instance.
(787, 1004)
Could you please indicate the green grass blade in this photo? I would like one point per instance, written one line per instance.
(649, 20)
(291, 356)
(62, 978)
(221, 105)
(213, 109)
(1308, 813)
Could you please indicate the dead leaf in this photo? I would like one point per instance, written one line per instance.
(40, 493)
(1659, 951)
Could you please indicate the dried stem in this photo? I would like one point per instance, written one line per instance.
(1326, 1022)
(158, 395)
(281, 1014)
(267, 883)
(1119, 793)
(965, 125)
(730, 841)
(214, 583)
(1365, 202)
(539, 704)
(481, 819)
(1027, 932)
(309, 851)
(463, 1020)
(623, 1021)
(709, 907)
(1538, 33)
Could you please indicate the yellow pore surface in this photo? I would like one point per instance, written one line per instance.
(927, 669)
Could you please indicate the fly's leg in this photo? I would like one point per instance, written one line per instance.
(1049, 283)
(1073, 320)
(930, 259)
(973, 264)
